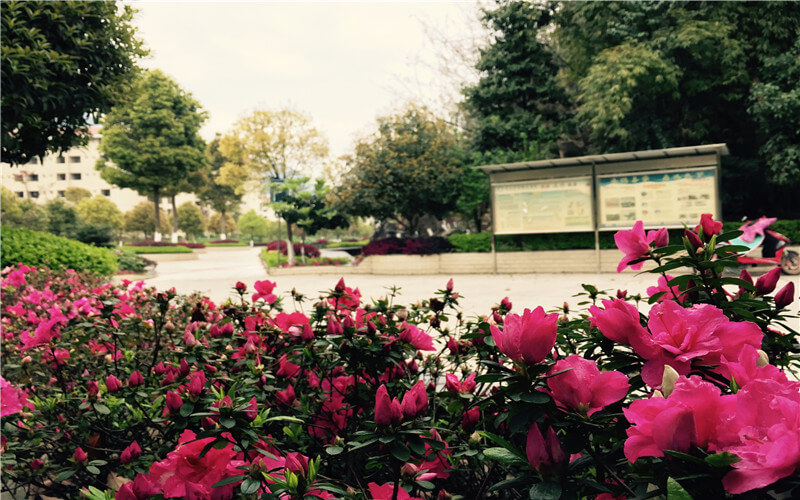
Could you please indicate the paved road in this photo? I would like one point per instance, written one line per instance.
(215, 272)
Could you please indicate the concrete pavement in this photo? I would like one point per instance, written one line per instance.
(215, 272)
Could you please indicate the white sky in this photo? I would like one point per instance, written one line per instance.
(342, 63)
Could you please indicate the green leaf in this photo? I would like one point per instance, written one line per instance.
(334, 450)
(64, 475)
(723, 459)
(92, 470)
(250, 486)
(400, 451)
(675, 491)
(101, 409)
(684, 456)
(545, 491)
(503, 456)
(228, 480)
(186, 409)
(426, 485)
(535, 398)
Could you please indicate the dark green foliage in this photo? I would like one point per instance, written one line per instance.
(480, 242)
(99, 235)
(131, 262)
(517, 104)
(411, 167)
(650, 75)
(61, 218)
(61, 62)
(37, 249)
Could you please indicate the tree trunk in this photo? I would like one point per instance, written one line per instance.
(174, 220)
(478, 220)
(156, 202)
(289, 247)
(222, 217)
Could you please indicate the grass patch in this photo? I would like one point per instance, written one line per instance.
(271, 258)
(237, 244)
(346, 244)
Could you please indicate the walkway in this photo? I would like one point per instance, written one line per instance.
(214, 273)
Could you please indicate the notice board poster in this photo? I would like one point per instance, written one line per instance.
(657, 198)
(543, 206)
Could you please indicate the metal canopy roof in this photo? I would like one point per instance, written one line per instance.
(652, 154)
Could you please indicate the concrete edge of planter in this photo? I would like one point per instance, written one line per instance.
(169, 257)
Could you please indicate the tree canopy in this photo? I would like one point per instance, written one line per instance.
(62, 62)
(153, 140)
(280, 144)
(408, 168)
(620, 76)
(223, 195)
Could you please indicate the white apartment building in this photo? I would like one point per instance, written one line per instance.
(42, 181)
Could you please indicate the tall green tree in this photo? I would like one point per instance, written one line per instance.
(252, 224)
(310, 209)
(152, 142)
(517, 104)
(100, 210)
(190, 219)
(223, 195)
(410, 167)
(61, 63)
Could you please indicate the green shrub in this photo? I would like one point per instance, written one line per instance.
(99, 235)
(165, 249)
(42, 249)
(131, 262)
(479, 242)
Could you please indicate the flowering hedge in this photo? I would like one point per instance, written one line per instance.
(137, 393)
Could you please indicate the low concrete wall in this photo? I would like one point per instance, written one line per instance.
(557, 261)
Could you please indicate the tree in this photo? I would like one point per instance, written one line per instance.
(100, 210)
(410, 167)
(310, 209)
(62, 218)
(153, 140)
(61, 63)
(279, 144)
(223, 195)
(215, 223)
(190, 219)
(252, 224)
(141, 219)
(10, 211)
(75, 194)
(517, 104)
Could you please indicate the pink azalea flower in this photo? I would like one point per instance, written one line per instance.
(708, 225)
(113, 384)
(132, 452)
(387, 410)
(264, 291)
(528, 338)
(415, 400)
(286, 396)
(543, 453)
(12, 399)
(785, 296)
(416, 337)
(584, 388)
(766, 283)
(184, 471)
(470, 418)
(452, 384)
(689, 416)
(635, 244)
(763, 429)
(286, 368)
(670, 292)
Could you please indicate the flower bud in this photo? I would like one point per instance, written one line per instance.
(409, 471)
(297, 463)
(693, 239)
(762, 359)
(785, 296)
(449, 286)
(621, 294)
(79, 455)
(240, 287)
(132, 452)
(173, 401)
(93, 389)
(340, 286)
(661, 238)
(36, 464)
(113, 384)
(766, 284)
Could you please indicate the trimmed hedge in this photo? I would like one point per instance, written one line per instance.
(299, 248)
(33, 248)
(162, 249)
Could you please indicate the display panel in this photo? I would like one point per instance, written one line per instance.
(666, 198)
(543, 206)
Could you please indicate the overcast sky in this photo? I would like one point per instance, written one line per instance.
(343, 63)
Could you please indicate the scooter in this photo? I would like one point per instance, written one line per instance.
(767, 246)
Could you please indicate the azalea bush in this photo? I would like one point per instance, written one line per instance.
(126, 391)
